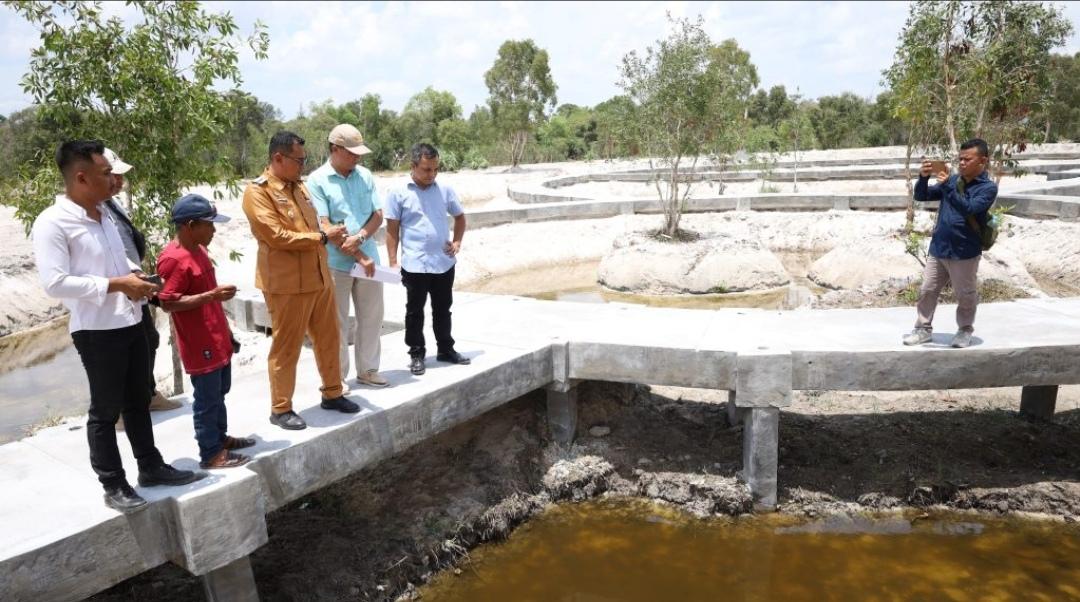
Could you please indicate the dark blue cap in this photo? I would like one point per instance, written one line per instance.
(192, 207)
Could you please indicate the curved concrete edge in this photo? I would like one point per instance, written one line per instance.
(937, 369)
(310, 465)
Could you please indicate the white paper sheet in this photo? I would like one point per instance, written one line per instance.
(382, 274)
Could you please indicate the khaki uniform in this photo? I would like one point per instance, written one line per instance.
(293, 274)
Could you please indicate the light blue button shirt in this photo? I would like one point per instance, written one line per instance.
(424, 228)
(350, 201)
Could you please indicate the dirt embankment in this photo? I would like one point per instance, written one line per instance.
(379, 533)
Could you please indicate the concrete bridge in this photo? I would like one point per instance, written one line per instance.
(59, 542)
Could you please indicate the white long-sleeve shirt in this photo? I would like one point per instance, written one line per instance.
(76, 255)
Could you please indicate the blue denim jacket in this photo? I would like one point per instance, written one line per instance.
(953, 237)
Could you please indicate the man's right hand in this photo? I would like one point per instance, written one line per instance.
(223, 292)
(336, 234)
(133, 287)
(369, 266)
(927, 167)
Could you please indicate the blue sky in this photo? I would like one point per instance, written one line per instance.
(341, 51)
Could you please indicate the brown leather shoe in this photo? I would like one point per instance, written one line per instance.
(225, 459)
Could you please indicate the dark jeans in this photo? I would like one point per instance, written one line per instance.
(208, 409)
(116, 366)
(153, 339)
(417, 288)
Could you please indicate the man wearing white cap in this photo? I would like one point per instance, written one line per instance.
(343, 192)
(135, 248)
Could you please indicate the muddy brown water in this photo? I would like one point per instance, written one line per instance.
(635, 550)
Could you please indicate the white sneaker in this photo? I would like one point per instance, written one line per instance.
(962, 339)
(372, 378)
(918, 337)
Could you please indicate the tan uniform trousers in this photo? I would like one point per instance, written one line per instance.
(963, 275)
(366, 297)
(292, 316)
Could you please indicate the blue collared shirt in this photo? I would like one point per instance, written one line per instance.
(345, 200)
(424, 228)
(953, 238)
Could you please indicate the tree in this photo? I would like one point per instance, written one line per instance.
(687, 98)
(149, 89)
(840, 121)
(1061, 112)
(966, 69)
(616, 133)
(521, 92)
(423, 112)
(245, 140)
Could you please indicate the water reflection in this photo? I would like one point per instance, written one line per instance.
(632, 551)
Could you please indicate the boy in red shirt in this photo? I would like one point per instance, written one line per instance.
(191, 294)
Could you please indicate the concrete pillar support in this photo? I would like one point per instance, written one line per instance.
(761, 441)
(734, 414)
(562, 412)
(1038, 401)
(233, 582)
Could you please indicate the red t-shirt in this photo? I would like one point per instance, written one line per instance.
(203, 333)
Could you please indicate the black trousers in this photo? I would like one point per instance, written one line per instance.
(153, 339)
(417, 288)
(116, 363)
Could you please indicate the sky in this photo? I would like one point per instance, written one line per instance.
(341, 51)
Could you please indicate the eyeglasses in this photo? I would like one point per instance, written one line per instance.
(299, 161)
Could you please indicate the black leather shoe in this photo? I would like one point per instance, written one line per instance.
(416, 366)
(167, 475)
(290, 421)
(453, 357)
(340, 404)
(123, 498)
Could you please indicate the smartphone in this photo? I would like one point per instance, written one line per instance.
(937, 167)
(152, 279)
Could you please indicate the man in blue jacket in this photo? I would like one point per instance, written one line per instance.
(955, 247)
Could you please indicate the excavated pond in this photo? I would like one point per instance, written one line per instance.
(637, 550)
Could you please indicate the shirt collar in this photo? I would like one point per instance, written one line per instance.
(70, 206)
(334, 173)
(414, 186)
(275, 182)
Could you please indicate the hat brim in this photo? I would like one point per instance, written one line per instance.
(359, 151)
(120, 168)
(217, 219)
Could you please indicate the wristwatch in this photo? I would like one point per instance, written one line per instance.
(322, 237)
(363, 238)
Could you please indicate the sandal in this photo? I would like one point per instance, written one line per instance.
(225, 459)
(237, 442)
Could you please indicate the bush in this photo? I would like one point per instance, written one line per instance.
(474, 159)
(449, 161)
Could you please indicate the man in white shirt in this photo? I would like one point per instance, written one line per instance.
(81, 261)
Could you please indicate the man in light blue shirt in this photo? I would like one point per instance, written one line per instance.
(343, 192)
(416, 217)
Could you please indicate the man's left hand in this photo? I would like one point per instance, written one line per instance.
(453, 247)
(351, 245)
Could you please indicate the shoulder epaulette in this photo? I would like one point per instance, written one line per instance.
(259, 180)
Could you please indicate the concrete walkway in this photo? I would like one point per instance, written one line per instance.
(59, 542)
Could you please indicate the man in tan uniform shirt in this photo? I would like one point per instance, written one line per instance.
(293, 274)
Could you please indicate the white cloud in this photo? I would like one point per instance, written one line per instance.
(344, 50)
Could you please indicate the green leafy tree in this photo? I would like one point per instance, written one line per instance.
(1061, 112)
(148, 89)
(688, 96)
(424, 112)
(981, 69)
(840, 121)
(521, 92)
(245, 140)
